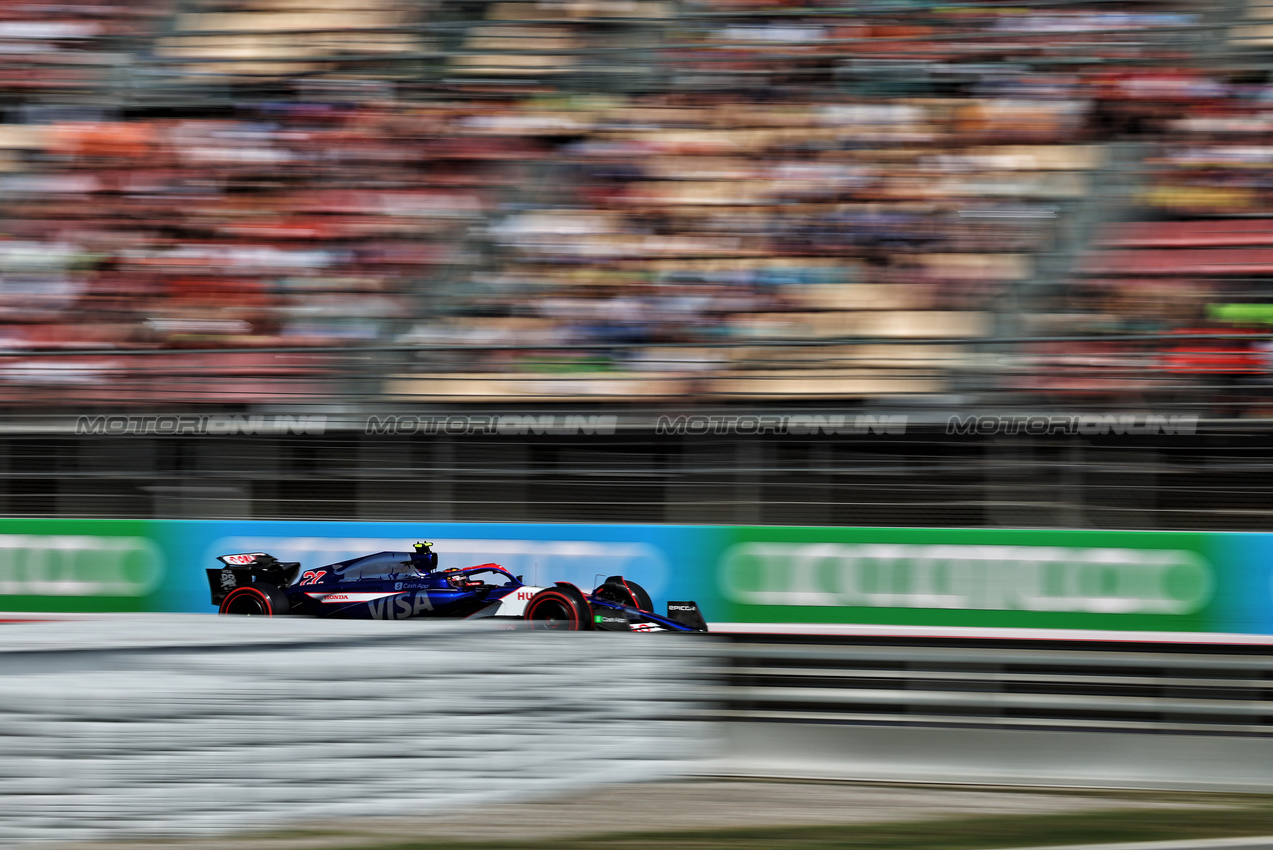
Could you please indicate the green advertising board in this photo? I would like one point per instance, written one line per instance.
(72, 565)
(964, 580)
(972, 578)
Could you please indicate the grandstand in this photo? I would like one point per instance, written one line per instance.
(635, 208)
(242, 203)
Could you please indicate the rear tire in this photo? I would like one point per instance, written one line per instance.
(256, 600)
(558, 609)
(625, 592)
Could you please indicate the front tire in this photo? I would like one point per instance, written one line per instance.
(625, 592)
(256, 600)
(558, 609)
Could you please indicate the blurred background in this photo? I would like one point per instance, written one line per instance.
(952, 269)
(352, 208)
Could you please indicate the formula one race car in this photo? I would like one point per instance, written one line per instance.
(400, 585)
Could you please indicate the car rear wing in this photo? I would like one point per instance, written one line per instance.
(246, 568)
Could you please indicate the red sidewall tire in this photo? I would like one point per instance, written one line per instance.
(266, 599)
(626, 592)
(555, 609)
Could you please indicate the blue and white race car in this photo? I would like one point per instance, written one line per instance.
(401, 585)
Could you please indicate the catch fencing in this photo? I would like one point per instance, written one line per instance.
(198, 725)
(864, 469)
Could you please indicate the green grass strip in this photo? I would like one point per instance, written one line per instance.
(976, 833)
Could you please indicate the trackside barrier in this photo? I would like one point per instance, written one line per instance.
(170, 725)
(969, 580)
(1038, 713)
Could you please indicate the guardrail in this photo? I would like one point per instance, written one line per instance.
(1213, 692)
(145, 726)
(190, 725)
(1044, 714)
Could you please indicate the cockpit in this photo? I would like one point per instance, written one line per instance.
(478, 578)
(387, 566)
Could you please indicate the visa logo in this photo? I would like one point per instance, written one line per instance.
(400, 607)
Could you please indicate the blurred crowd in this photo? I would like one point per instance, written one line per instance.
(593, 199)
